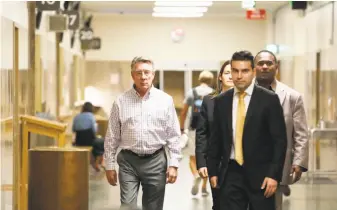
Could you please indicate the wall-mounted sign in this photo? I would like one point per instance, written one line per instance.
(48, 5)
(256, 14)
(91, 44)
(95, 43)
(73, 19)
(56, 23)
(86, 34)
(88, 41)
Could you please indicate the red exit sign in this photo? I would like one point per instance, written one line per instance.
(257, 14)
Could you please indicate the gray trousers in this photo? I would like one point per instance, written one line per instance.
(150, 172)
(279, 197)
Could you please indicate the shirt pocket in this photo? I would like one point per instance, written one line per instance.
(130, 120)
(157, 120)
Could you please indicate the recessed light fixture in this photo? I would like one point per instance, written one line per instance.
(248, 4)
(177, 15)
(184, 3)
(176, 8)
(180, 9)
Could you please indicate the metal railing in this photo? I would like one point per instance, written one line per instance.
(316, 135)
(31, 124)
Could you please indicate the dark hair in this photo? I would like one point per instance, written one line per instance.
(243, 56)
(88, 107)
(267, 51)
(219, 83)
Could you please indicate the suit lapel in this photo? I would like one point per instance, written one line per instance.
(281, 92)
(252, 104)
(282, 96)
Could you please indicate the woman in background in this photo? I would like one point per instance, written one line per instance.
(203, 131)
(85, 128)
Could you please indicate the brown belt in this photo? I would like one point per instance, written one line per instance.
(143, 155)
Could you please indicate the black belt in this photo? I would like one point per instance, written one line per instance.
(143, 155)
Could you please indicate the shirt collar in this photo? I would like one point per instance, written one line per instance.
(249, 89)
(277, 87)
(149, 93)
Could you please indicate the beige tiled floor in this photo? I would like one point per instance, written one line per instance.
(319, 196)
(305, 196)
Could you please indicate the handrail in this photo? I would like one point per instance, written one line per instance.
(323, 129)
(60, 127)
(6, 120)
(315, 135)
(31, 124)
(7, 123)
(326, 131)
(64, 118)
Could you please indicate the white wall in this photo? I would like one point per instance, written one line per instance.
(207, 40)
(15, 11)
(301, 36)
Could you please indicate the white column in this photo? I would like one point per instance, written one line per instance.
(161, 79)
(187, 80)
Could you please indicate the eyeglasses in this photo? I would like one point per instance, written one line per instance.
(139, 73)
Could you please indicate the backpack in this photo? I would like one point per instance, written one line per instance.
(196, 108)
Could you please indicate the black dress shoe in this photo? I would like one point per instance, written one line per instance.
(286, 190)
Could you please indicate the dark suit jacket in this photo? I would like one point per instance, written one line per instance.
(203, 131)
(264, 137)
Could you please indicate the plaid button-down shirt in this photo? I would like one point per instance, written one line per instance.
(143, 125)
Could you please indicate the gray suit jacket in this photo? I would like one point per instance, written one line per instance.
(297, 130)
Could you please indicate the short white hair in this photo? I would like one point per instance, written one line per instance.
(139, 59)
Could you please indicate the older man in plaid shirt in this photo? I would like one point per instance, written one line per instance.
(143, 121)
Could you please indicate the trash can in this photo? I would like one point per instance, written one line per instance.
(58, 179)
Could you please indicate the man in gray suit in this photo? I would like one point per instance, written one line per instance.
(296, 160)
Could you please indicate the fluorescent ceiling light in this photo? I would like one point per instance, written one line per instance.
(177, 15)
(180, 9)
(248, 4)
(184, 3)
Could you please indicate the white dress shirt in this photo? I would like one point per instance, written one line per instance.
(247, 98)
(143, 125)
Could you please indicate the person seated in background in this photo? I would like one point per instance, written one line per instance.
(85, 128)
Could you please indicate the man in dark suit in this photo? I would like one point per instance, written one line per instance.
(249, 138)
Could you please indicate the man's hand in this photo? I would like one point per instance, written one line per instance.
(203, 172)
(214, 181)
(296, 173)
(270, 185)
(171, 174)
(111, 175)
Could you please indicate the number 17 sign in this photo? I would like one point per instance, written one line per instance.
(73, 19)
